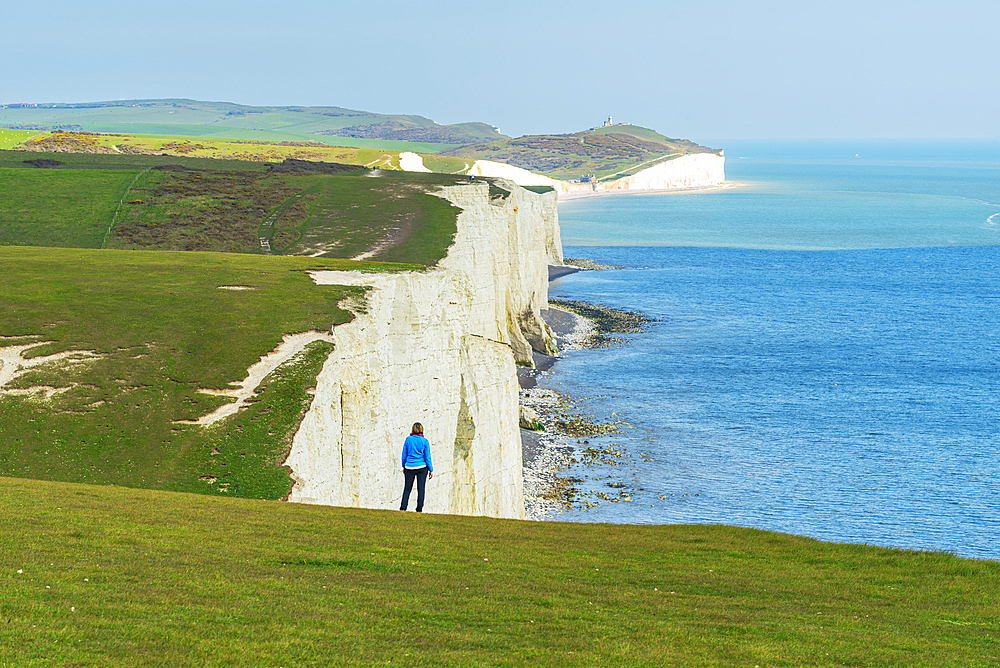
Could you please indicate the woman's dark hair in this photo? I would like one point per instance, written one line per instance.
(417, 429)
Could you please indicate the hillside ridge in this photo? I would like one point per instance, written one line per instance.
(605, 153)
(239, 121)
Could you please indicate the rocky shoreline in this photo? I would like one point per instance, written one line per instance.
(567, 423)
(547, 452)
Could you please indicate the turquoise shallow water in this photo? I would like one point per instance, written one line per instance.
(847, 394)
(813, 196)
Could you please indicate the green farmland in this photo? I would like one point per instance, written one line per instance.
(192, 118)
(11, 138)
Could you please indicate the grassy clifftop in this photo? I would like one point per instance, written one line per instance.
(108, 356)
(386, 155)
(112, 343)
(616, 150)
(149, 202)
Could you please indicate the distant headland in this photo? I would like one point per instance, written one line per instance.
(612, 157)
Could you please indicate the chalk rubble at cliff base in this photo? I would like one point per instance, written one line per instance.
(548, 452)
(563, 446)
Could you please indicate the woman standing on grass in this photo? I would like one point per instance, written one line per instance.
(416, 464)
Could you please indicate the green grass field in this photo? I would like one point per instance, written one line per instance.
(73, 204)
(356, 212)
(11, 138)
(221, 205)
(69, 208)
(108, 576)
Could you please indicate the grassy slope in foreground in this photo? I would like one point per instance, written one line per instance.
(102, 576)
(608, 152)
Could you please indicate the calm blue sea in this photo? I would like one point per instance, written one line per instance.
(827, 360)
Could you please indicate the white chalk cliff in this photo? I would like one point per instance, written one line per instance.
(687, 171)
(440, 348)
(695, 170)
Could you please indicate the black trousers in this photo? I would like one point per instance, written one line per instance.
(420, 475)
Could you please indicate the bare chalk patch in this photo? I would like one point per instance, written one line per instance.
(370, 253)
(236, 287)
(348, 278)
(291, 345)
(13, 364)
(411, 162)
(42, 391)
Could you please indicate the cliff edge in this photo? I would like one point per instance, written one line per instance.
(440, 348)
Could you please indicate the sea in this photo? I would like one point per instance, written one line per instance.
(825, 359)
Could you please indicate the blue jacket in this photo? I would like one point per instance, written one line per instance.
(417, 452)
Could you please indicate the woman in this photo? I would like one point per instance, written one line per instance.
(416, 465)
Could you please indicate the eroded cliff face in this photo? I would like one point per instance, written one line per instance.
(438, 348)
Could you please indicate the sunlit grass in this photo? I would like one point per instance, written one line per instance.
(105, 576)
(69, 208)
(11, 138)
(220, 205)
(250, 146)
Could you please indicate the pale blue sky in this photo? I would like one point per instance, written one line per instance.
(725, 69)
